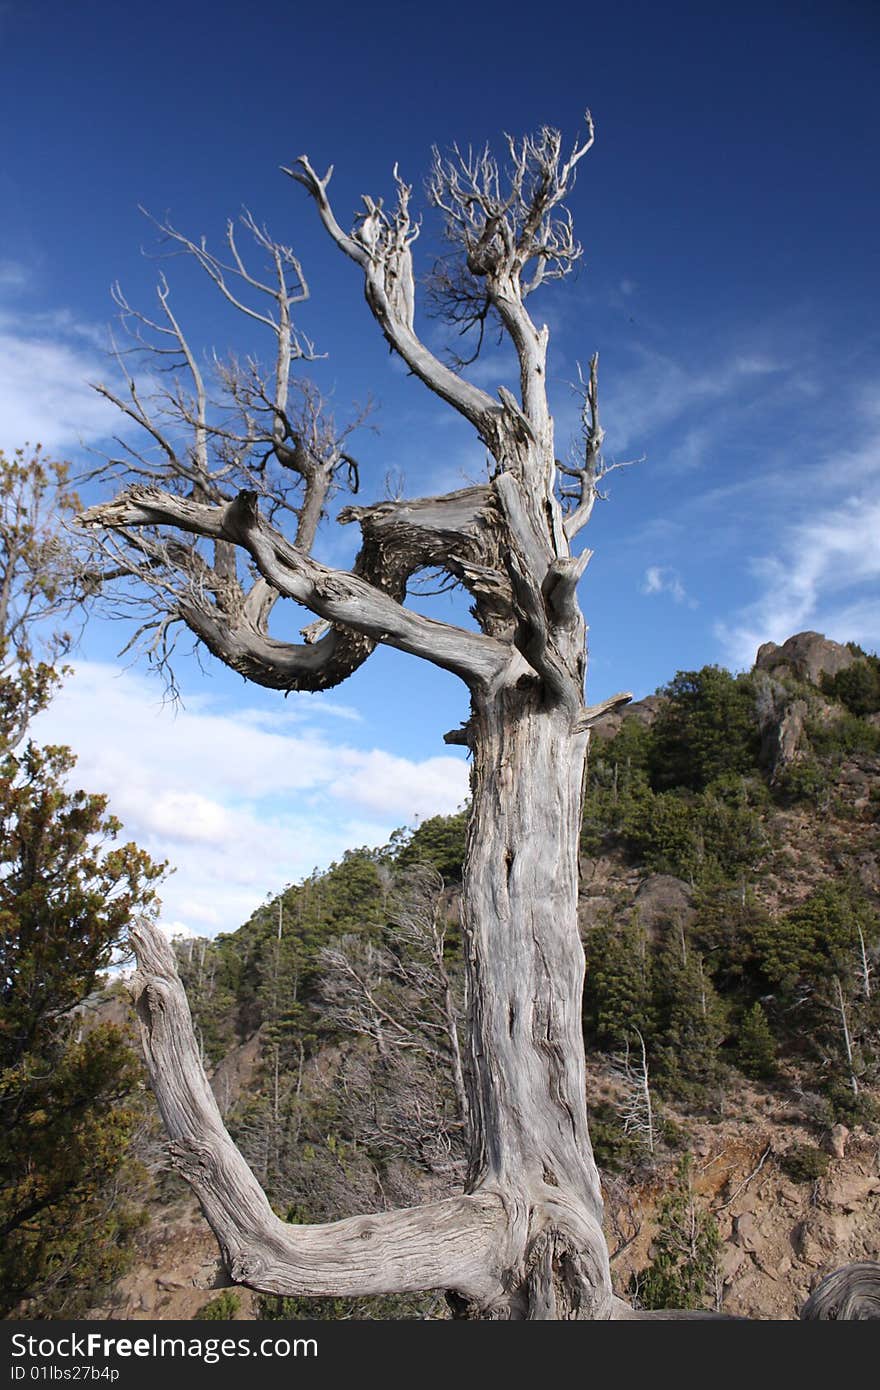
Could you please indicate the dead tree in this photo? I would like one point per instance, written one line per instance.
(636, 1108)
(406, 1095)
(203, 526)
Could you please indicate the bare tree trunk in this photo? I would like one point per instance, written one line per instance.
(851, 1294)
(637, 1110)
(450, 1017)
(864, 964)
(847, 1040)
(525, 965)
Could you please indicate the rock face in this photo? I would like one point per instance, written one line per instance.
(783, 741)
(834, 1142)
(807, 655)
(779, 1238)
(663, 901)
(644, 711)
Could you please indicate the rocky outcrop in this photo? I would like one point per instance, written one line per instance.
(808, 656)
(663, 901)
(779, 1238)
(644, 711)
(783, 742)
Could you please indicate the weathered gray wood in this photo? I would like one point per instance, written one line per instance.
(381, 246)
(525, 965)
(849, 1294)
(525, 1240)
(455, 1244)
(340, 596)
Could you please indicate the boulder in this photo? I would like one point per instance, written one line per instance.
(784, 743)
(643, 711)
(834, 1142)
(745, 1232)
(662, 899)
(807, 655)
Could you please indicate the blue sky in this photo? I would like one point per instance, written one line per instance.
(729, 217)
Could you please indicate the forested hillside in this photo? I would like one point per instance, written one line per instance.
(729, 909)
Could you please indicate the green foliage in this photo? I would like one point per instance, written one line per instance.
(438, 841)
(687, 795)
(804, 1163)
(756, 1046)
(683, 1271)
(67, 894)
(811, 960)
(613, 1150)
(718, 831)
(817, 939)
(663, 831)
(617, 990)
(222, 1308)
(690, 1021)
(617, 784)
(728, 920)
(38, 576)
(706, 730)
(212, 973)
(842, 738)
(664, 990)
(858, 687)
(66, 1231)
(257, 978)
(807, 780)
(848, 1107)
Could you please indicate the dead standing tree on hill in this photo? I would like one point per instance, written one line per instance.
(202, 527)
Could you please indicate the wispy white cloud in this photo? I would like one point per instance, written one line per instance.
(658, 390)
(823, 576)
(377, 779)
(306, 707)
(13, 275)
(676, 411)
(819, 517)
(495, 366)
(177, 930)
(240, 806)
(663, 579)
(46, 362)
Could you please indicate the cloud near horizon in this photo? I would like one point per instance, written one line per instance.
(237, 808)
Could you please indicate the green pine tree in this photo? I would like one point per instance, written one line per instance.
(756, 1046)
(617, 991)
(67, 894)
(684, 1269)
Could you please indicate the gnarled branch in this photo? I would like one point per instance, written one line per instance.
(237, 425)
(454, 1244)
(505, 222)
(381, 246)
(339, 596)
(583, 494)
